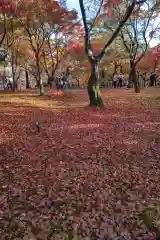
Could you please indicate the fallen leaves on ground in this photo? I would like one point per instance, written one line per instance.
(87, 175)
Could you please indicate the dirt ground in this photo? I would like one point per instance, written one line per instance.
(88, 174)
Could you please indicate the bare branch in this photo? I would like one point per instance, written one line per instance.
(99, 9)
(116, 32)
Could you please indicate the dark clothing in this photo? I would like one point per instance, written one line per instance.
(114, 84)
(153, 79)
(120, 83)
(50, 82)
(9, 85)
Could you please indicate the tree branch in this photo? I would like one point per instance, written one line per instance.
(99, 9)
(87, 35)
(140, 2)
(125, 44)
(116, 32)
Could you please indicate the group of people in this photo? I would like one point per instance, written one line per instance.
(150, 80)
(61, 82)
(8, 83)
(118, 81)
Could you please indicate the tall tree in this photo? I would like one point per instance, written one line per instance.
(7, 9)
(34, 23)
(12, 42)
(62, 27)
(99, 7)
(136, 35)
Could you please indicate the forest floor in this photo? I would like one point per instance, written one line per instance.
(88, 174)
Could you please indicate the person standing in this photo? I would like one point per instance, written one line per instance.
(144, 79)
(153, 79)
(50, 82)
(115, 81)
(120, 80)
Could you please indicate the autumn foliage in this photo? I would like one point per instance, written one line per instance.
(9, 7)
(151, 60)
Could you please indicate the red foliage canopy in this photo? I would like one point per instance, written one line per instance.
(9, 7)
(151, 59)
(59, 15)
(78, 47)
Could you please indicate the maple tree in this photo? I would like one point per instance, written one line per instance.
(62, 27)
(151, 59)
(12, 45)
(94, 59)
(115, 59)
(34, 24)
(48, 27)
(7, 8)
(137, 34)
(10, 36)
(113, 62)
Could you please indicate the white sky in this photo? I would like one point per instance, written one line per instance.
(74, 4)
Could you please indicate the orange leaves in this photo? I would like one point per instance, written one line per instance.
(108, 7)
(152, 56)
(76, 47)
(51, 3)
(111, 3)
(65, 19)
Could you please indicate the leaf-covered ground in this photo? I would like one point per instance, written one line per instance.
(87, 175)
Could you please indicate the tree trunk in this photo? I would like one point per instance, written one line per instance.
(121, 69)
(49, 81)
(93, 87)
(78, 84)
(41, 88)
(135, 80)
(115, 68)
(40, 82)
(131, 79)
(27, 79)
(14, 86)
